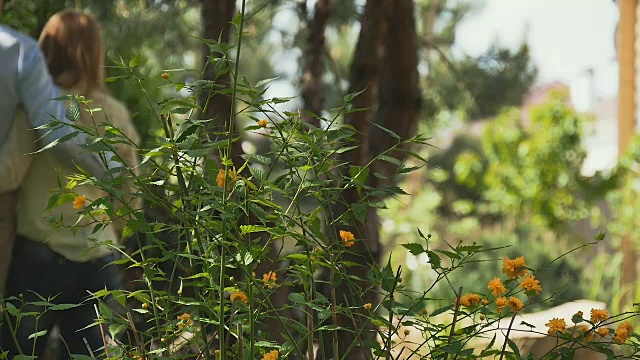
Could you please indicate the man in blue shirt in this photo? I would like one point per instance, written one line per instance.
(25, 82)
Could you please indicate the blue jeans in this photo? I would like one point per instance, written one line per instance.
(35, 269)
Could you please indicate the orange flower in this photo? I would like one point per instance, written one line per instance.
(165, 75)
(347, 237)
(622, 332)
(529, 283)
(496, 287)
(501, 302)
(78, 203)
(230, 177)
(586, 332)
(263, 122)
(555, 325)
(367, 306)
(240, 296)
(485, 302)
(469, 300)
(515, 304)
(185, 320)
(270, 279)
(598, 315)
(271, 355)
(603, 331)
(514, 268)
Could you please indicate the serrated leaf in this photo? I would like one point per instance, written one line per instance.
(73, 112)
(359, 212)
(297, 298)
(414, 249)
(434, 260)
(256, 173)
(186, 129)
(115, 329)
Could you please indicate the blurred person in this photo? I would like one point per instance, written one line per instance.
(53, 260)
(26, 101)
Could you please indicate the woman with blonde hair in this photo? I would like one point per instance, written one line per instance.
(52, 260)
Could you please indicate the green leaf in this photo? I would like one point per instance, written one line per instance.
(73, 112)
(414, 249)
(248, 229)
(332, 328)
(441, 310)
(115, 329)
(359, 212)
(600, 236)
(434, 260)
(297, 298)
(126, 232)
(237, 19)
(493, 341)
(265, 81)
(513, 347)
(347, 98)
(345, 149)
(389, 159)
(60, 199)
(391, 133)
(38, 334)
(63, 306)
(297, 257)
(134, 62)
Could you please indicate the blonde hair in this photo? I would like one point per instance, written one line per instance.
(72, 45)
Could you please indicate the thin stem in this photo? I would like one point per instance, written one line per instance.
(455, 317)
(506, 338)
(221, 329)
(334, 317)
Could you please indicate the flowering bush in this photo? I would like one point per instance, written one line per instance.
(200, 293)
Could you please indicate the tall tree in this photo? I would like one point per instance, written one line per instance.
(216, 18)
(312, 82)
(385, 64)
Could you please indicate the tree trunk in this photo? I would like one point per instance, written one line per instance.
(385, 63)
(216, 18)
(399, 96)
(312, 85)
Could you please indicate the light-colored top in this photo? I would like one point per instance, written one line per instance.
(41, 183)
(25, 80)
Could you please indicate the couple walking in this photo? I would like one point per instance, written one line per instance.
(36, 256)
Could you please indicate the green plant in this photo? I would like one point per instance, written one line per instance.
(210, 286)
